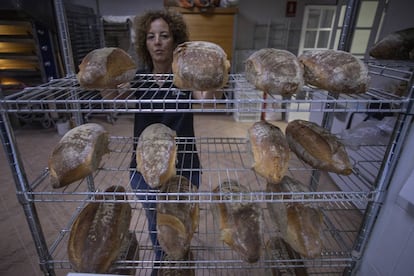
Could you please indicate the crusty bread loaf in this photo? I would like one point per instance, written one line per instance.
(98, 232)
(335, 71)
(318, 147)
(396, 45)
(183, 267)
(78, 154)
(129, 252)
(277, 249)
(270, 150)
(240, 221)
(200, 65)
(156, 154)
(176, 221)
(106, 67)
(274, 71)
(300, 223)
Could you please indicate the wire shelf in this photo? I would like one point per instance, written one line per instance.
(222, 159)
(212, 257)
(65, 96)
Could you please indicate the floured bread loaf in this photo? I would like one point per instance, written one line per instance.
(129, 252)
(300, 223)
(397, 45)
(156, 154)
(318, 147)
(200, 65)
(240, 222)
(274, 71)
(335, 71)
(98, 233)
(176, 221)
(277, 249)
(106, 67)
(270, 150)
(77, 154)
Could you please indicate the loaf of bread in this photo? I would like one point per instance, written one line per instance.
(274, 71)
(156, 154)
(300, 223)
(240, 221)
(277, 249)
(106, 67)
(176, 221)
(183, 267)
(98, 233)
(129, 252)
(200, 65)
(77, 154)
(269, 149)
(318, 147)
(396, 45)
(335, 71)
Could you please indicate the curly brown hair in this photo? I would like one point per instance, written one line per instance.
(177, 26)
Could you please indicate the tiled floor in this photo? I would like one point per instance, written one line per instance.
(18, 254)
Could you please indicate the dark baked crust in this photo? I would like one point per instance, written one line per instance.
(335, 71)
(240, 222)
(274, 71)
(97, 235)
(318, 147)
(200, 66)
(300, 224)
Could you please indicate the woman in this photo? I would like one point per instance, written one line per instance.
(157, 33)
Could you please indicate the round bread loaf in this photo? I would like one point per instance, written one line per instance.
(200, 65)
(335, 71)
(269, 149)
(318, 147)
(397, 45)
(77, 154)
(274, 71)
(106, 67)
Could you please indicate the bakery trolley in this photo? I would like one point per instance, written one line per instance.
(349, 214)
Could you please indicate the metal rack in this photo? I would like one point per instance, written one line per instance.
(345, 212)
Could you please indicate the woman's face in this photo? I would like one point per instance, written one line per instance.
(160, 42)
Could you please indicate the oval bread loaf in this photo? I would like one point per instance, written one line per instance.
(318, 147)
(274, 71)
(397, 45)
(300, 224)
(240, 222)
(77, 154)
(176, 221)
(106, 67)
(200, 66)
(270, 150)
(335, 71)
(98, 233)
(156, 154)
